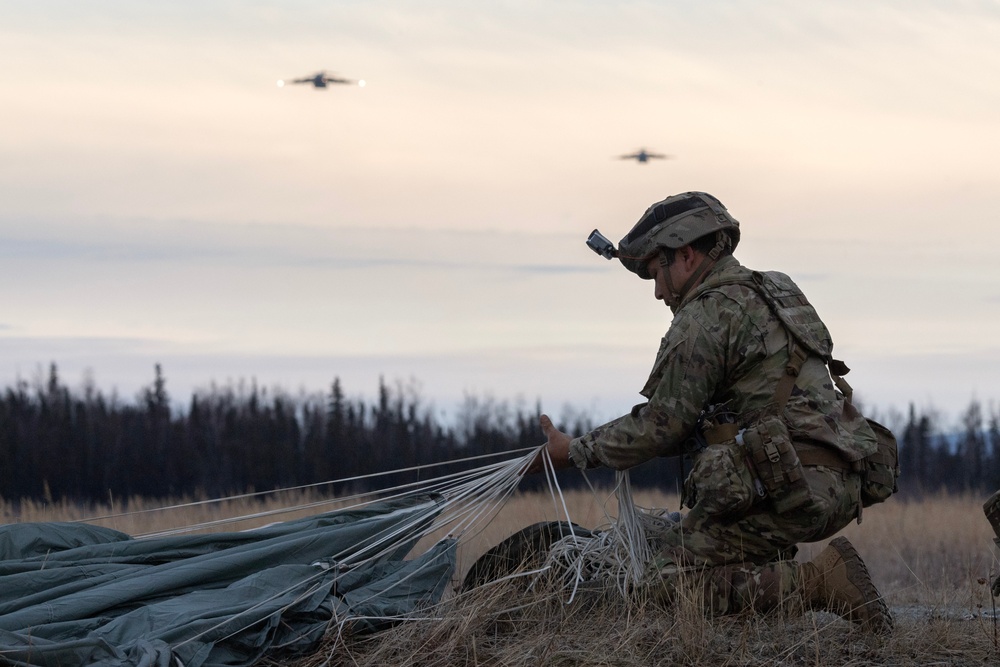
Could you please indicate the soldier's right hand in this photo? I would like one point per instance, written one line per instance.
(556, 445)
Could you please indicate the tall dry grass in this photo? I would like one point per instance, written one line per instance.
(932, 559)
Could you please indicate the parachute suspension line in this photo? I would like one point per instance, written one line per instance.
(392, 493)
(456, 505)
(303, 487)
(630, 530)
(554, 489)
(437, 484)
(616, 554)
(487, 498)
(481, 503)
(472, 497)
(492, 491)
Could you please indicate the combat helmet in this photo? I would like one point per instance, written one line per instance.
(674, 222)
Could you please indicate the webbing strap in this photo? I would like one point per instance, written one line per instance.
(842, 385)
(705, 265)
(797, 356)
(811, 455)
(720, 433)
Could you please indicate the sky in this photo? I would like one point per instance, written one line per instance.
(165, 202)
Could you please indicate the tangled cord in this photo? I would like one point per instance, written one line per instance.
(616, 554)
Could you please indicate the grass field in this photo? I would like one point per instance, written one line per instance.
(932, 559)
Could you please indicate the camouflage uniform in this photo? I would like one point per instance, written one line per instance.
(726, 346)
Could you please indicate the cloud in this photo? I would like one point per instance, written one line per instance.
(276, 245)
(498, 116)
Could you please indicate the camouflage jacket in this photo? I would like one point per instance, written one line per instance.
(725, 344)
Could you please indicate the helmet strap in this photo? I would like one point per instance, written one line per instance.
(721, 241)
(672, 293)
(696, 277)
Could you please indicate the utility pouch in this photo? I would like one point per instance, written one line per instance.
(776, 464)
(881, 469)
(720, 481)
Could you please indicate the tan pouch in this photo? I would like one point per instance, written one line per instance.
(720, 481)
(881, 469)
(776, 464)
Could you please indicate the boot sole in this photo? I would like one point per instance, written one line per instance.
(875, 615)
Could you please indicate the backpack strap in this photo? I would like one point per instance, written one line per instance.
(810, 455)
(797, 356)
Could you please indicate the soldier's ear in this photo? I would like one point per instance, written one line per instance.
(686, 254)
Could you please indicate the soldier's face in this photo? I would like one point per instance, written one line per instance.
(662, 285)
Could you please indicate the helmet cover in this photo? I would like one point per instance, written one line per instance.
(674, 222)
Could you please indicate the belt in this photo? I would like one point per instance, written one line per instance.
(809, 455)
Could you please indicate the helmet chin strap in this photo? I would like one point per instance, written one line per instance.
(696, 277)
(672, 297)
(706, 263)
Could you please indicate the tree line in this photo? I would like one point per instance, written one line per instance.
(966, 458)
(57, 443)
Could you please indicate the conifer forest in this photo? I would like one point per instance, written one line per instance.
(81, 445)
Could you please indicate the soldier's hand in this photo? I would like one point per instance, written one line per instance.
(556, 444)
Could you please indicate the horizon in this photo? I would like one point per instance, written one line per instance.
(412, 388)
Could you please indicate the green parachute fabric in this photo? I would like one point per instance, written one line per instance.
(76, 594)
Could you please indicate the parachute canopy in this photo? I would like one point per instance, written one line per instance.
(77, 594)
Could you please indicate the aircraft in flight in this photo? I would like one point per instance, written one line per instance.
(643, 156)
(321, 79)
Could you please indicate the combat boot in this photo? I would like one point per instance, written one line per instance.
(838, 581)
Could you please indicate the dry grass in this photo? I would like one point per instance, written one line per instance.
(485, 629)
(930, 558)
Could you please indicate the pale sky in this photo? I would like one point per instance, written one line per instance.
(164, 201)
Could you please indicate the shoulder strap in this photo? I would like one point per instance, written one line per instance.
(806, 337)
(797, 356)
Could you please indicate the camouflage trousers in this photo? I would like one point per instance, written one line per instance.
(748, 561)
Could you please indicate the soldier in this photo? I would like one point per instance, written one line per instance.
(744, 383)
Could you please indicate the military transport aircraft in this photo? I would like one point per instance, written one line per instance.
(642, 155)
(321, 79)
